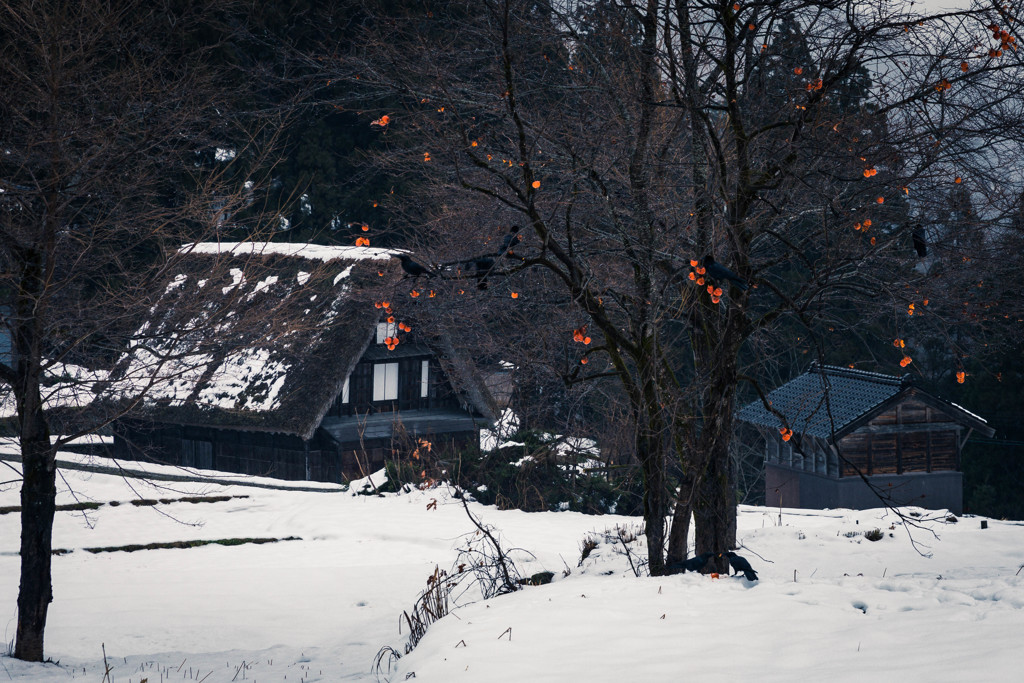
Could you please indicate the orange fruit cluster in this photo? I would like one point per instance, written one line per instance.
(580, 335)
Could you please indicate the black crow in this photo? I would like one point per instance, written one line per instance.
(694, 564)
(482, 267)
(740, 564)
(511, 239)
(413, 268)
(716, 271)
(920, 245)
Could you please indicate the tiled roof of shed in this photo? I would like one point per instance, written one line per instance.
(825, 399)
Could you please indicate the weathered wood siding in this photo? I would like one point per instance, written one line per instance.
(855, 450)
(909, 437)
(945, 451)
(270, 455)
(254, 453)
(440, 393)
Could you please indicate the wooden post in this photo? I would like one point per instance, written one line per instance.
(305, 450)
(899, 439)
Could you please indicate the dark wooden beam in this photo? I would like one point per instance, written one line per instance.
(915, 427)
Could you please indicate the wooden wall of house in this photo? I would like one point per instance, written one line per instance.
(804, 453)
(440, 394)
(281, 456)
(261, 454)
(909, 437)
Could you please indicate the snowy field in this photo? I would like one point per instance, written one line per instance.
(830, 605)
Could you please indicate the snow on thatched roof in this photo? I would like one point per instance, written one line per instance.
(312, 252)
(254, 336)
(64, 386)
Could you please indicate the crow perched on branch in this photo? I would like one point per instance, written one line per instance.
(920, 245)
(413, 268)
(740, 564)
(694, 564)
(482, 268)
(716, 271)
(511, 239)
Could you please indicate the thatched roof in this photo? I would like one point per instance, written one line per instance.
(255, 336)
(829, 401)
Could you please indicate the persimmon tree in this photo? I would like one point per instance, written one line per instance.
(797, 143)
(112, 115)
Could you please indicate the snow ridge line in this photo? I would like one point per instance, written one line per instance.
(141, 474)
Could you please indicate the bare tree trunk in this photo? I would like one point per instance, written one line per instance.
(652, 465)
(38, 501)
(715, 512)
(38, 489)
(679, 532)
(716, 356)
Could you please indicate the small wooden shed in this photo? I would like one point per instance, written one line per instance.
(858, 436)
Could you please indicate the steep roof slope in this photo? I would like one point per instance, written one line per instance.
(828, 399)
(255, 336)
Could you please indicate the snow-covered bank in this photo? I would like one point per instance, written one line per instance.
(319, 609)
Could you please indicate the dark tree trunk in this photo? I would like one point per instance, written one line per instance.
(714, 502)
(38, 500)
(652, 465)
(679, 532)
(39, 473)
(715, 513)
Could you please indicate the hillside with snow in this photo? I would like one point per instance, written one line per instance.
(943, 601)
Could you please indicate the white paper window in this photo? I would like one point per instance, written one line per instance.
(344, 392)
(385, 382)
(385, 330)
(424, 379)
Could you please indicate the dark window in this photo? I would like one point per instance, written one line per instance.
(361, 384)
(197, 454)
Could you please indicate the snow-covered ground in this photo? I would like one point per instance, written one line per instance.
(830, 605)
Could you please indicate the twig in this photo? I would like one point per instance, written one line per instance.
(754, 552)
(510, 584)
(629, 556)
(106, 666)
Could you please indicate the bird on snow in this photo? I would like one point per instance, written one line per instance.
(920, 245)
(694, 564)
(740, 564)
(716, 271)
(413, 268)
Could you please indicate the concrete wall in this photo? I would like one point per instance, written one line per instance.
(789, 488)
